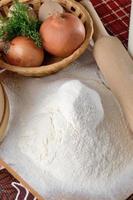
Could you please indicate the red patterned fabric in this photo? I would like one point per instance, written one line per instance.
(115, 16)
(11, 188)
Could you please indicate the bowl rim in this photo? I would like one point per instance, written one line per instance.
(5, 118)
(44, 70)
(2, 103)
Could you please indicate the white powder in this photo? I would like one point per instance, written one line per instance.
(91, 164)
(69, 140)
(71, 115)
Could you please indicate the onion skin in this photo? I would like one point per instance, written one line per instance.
(62, 34)
(23, 52)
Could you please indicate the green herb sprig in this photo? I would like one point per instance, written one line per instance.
(21, 23)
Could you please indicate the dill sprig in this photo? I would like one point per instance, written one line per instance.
(21, 23)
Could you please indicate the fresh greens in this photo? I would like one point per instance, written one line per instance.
(20, 23)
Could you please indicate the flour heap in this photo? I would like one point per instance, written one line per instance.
(68, 139)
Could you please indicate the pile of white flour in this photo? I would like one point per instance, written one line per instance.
(60, 138)
(67, 136)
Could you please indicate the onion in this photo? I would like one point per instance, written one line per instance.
(22, 51)
(62, 34)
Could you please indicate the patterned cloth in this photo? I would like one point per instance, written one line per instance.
(11, 188)
(115, 15)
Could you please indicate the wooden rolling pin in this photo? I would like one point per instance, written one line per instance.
(115, 64)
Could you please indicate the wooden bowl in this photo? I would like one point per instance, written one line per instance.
(5, 115)
(58, 64)
(2, 103)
